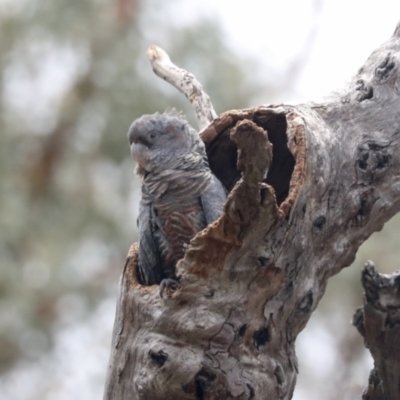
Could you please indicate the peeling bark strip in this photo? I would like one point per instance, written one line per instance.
(378, 321)
(250, 281)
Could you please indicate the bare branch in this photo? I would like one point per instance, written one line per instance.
(378, 322)
(185, 82)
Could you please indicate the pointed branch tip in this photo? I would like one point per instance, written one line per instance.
(185, 82)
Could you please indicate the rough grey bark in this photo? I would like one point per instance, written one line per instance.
(378, 321)
(250, 281)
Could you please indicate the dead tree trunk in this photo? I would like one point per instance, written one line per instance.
(250, 281)
(378, 321)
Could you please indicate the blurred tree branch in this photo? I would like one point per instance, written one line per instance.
(40, 174)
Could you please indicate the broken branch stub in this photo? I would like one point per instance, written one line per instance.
(250, 281)
(185, 82)
(378, 321)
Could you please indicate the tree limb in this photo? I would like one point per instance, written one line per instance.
(378, 321)
(251, 280)
(185, 82)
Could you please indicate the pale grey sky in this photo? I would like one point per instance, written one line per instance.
(276, 31)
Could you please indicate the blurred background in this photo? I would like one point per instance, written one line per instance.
(74, 75)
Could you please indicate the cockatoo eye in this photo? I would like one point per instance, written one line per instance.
(152, 135)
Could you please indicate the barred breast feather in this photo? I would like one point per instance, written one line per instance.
(175, 206)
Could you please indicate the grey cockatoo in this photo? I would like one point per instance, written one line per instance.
(180, 195)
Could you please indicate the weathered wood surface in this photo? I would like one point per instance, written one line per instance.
(185, 82)
(378, 321)
(250, 281)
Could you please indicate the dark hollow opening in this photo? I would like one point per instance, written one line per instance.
(222, 155)
(159, 357)
(262, 336)
(203, 379)
(242, 330)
